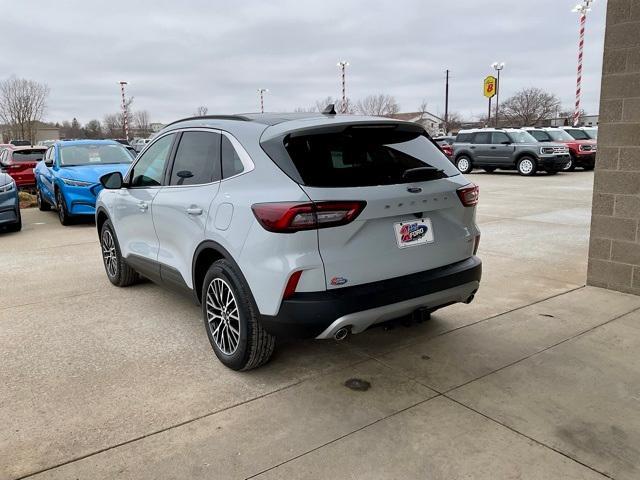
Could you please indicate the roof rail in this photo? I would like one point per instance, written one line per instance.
(240, 118)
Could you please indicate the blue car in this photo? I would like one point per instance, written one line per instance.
(69, 177)
(9, 204)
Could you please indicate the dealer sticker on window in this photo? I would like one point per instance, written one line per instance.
(412, 233)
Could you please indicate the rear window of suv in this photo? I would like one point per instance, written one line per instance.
(34, 155)
(361, 157)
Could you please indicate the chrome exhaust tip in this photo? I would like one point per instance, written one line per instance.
(341, 334)
(470, 299)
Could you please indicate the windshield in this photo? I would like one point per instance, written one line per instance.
(592, 132)
(560, 136)
(74, 155)
(366, 157)
(522, 137)
(578, 134)
(34, 155)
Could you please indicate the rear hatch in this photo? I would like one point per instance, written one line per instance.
(413, 219)
(22, 164)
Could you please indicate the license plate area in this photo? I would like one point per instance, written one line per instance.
(412, 233)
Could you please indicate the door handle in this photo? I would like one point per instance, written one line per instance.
(493, 148)
(194, 211)
(472, 147)
(143, 206)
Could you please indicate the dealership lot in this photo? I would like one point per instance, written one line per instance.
(538, 378)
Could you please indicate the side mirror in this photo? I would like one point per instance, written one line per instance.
(112, 181)
(48, 162)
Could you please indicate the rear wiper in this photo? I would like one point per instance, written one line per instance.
(428, 173)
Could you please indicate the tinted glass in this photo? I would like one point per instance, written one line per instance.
(149, 169)
(522, 137)
(366, 157)
(540, 135)
(91, 154)
(592, 132)
(231, 163)
(464, 137)
(560, 136)
(482, 137)
(499, 137)
(578, 134)
(197, 159)
(34, 155)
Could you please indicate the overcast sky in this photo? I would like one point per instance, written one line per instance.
(177, 55)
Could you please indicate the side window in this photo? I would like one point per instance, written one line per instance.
(197, 159)
(499, 137)
(482, 137)
(148, 170)
(231, 163)
(463, 137)
(540, 136)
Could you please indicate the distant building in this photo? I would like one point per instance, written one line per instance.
(41, 132)
(433, 124)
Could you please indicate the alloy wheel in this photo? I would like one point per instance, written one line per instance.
(62, 214)
(109, 254)
(463, 164)
(526, 166)
(568, 166)
(223, 316)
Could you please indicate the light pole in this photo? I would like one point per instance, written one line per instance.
(343, 64)
(582, 9)
(498, 66)
(262, 91)
(125, 116)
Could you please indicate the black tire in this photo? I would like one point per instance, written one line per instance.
(118, 271)
(464, 162)
(489, 169)
(43, 205)
(254, 345)
(16, 227)
(61, 207)
(527, 166)
(571, 166)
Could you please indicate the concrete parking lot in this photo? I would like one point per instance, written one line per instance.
(538, 378)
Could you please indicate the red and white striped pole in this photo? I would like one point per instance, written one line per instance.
(343, 64)
(262, 91)
(125, 116)
(582, 9)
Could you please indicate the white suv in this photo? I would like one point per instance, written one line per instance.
(304, 225)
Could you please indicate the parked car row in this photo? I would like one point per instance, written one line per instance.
(527, 150)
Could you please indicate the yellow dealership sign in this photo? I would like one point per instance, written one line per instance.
(490, 84)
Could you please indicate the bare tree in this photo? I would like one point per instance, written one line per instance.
(348, 108)
(22, 104)
(112, 125)
(93, 129)
(529, 106)
(141, 123)
(201, 111)
(378, 105)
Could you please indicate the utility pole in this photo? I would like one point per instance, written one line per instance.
(343, 64)
(582, 9)
(125, 115)
(446, 105)
(262, 91)
(498, 66)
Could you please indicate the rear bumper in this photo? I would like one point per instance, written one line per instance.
(321, 314)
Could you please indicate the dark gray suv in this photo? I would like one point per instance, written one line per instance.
(507, 149)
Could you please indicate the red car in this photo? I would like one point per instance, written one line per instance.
(19, 162)
(582, 150)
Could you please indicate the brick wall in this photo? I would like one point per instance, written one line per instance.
(614, 249)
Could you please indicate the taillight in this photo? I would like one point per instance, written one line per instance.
(469, 195)
(287, 217)
(292, 284)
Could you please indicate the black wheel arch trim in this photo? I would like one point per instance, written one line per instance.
(224, 253)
